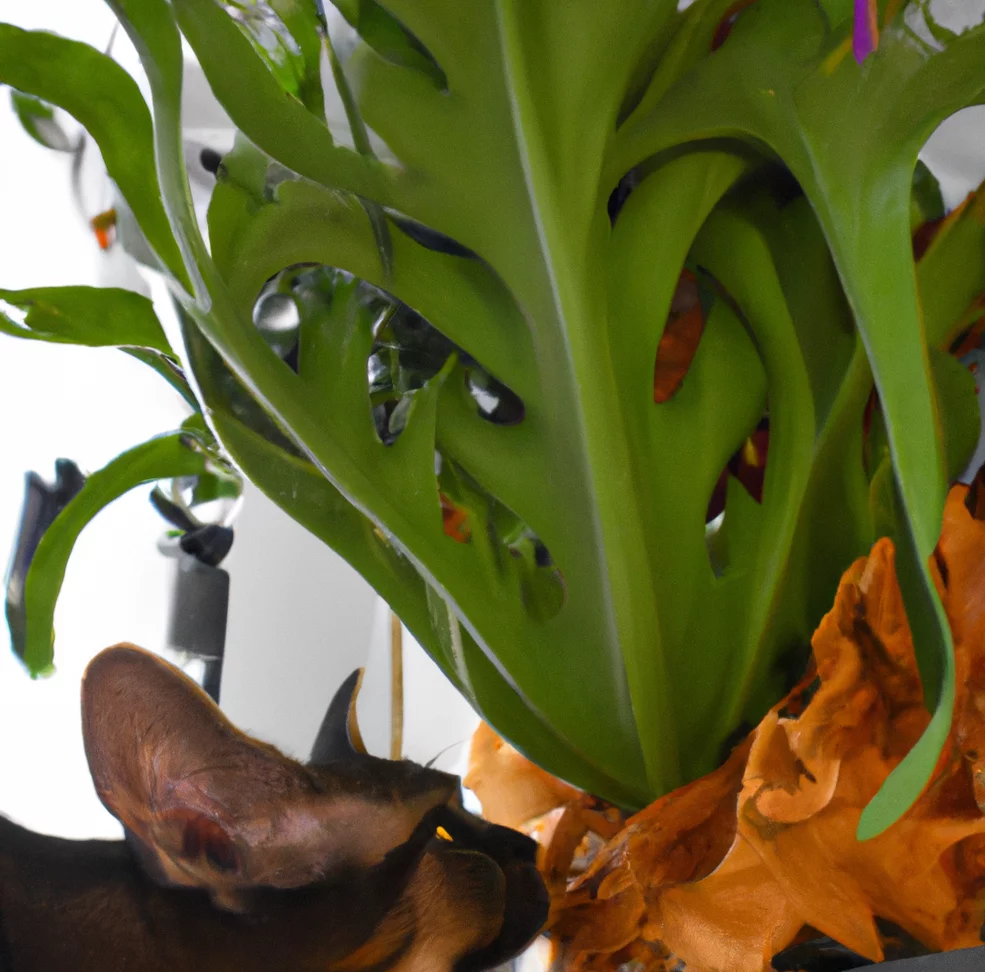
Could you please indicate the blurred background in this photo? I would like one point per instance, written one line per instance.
(300, 619)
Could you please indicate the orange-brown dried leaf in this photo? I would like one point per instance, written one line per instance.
(560, 836)
(679, 342)
(735, 919)
(603, 916)
(511, 789)
(679, 838)
(808, 780)
(961, 552)
(795, 860)
(638, 956)
(870, 687)
(454, 520)
(600, 924)
(642, 956)
(727, 871)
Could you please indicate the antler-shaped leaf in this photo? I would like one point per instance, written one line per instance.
(521, 190)
(581, 601)
(345, 458)
(850, 133)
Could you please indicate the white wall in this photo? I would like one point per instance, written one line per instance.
(87, 405)
(300, 620)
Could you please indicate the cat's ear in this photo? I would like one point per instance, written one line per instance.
(339, 737)
(207, 805)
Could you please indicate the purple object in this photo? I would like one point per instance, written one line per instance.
(865, 38)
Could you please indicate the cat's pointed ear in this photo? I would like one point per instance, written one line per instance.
(339, 737)
(206, 805)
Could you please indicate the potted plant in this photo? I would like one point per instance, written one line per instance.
(616, 337)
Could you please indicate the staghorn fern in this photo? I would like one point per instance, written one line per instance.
(556, 166)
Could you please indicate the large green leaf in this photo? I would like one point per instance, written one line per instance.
(325, 220)
(544, 311)
(347, 451)
(510, 191)
(723, 396)
(338, 233)
(503, 243)
(165, 457)
(779, 566)
(292, 482)
(851, 133)
(106, 100)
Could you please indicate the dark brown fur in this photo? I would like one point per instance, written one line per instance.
(252, 861)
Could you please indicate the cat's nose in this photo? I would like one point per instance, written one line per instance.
(516, 845)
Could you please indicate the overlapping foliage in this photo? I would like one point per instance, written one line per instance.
(759, 858)
(561, 174)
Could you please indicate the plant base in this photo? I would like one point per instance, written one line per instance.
(761, 856)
